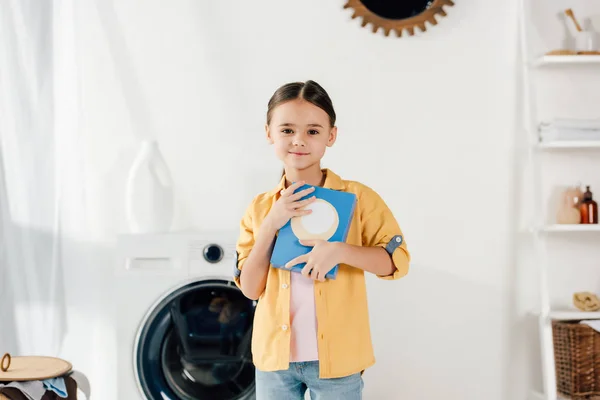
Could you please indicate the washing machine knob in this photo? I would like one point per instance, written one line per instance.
(213, 253)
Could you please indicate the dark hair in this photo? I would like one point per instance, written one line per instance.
(310, 91)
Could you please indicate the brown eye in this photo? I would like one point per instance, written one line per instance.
(313, 132)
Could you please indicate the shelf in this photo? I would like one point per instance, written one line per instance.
(575, 144)
(567, 60)
(573, 315)
(572, 228)
(570, 314)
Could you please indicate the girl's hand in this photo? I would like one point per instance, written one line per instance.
(320, 260)
(289, 205)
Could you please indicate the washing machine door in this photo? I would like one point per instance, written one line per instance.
(195, 344)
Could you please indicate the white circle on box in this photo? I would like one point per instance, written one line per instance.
(320, 224)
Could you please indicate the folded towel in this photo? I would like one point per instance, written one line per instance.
(594, 324)
(33, 390)
(586, 301)
(571, 123)
(57, 385)
(82, 382)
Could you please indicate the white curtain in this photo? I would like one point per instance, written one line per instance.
(56, 203)
(41, 173)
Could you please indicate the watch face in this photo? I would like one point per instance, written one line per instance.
(320, 224)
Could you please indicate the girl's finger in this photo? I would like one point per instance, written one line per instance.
(314, 274)
(300, 194)
(299, 213)
(288, 191)
(306, 270)
(299, 204)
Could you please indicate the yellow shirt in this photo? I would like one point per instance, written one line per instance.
(344, 336)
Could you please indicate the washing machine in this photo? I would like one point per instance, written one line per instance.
(183, 328)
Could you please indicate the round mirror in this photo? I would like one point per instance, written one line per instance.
(398, 15)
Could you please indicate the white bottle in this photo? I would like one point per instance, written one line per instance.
(149, 199)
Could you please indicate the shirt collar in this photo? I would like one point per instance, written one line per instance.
(332, 181)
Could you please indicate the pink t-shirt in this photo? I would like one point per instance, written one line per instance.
(303, 319)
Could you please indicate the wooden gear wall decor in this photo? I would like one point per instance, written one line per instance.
(398, 15)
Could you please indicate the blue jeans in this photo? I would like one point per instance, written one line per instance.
(293, 383)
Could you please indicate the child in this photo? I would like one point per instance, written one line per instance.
(310, 333)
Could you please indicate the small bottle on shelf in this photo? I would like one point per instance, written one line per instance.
(588, 208)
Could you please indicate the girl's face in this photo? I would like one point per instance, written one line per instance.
(300, 133)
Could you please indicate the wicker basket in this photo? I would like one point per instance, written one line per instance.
(577, 360)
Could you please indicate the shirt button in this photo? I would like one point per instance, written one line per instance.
(285, 286)
(398, 239)
(284, 327)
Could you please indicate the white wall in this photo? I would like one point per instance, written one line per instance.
(428, 122)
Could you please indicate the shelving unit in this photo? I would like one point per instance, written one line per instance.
(565, 145)
(547, 61)
(571, 228)
(540, 230)
(571, 315)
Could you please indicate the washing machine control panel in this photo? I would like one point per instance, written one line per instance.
(201, 254)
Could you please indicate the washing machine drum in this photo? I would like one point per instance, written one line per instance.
(195, 345)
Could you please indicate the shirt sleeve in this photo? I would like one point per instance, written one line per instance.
(380, 229)
(244, 243)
